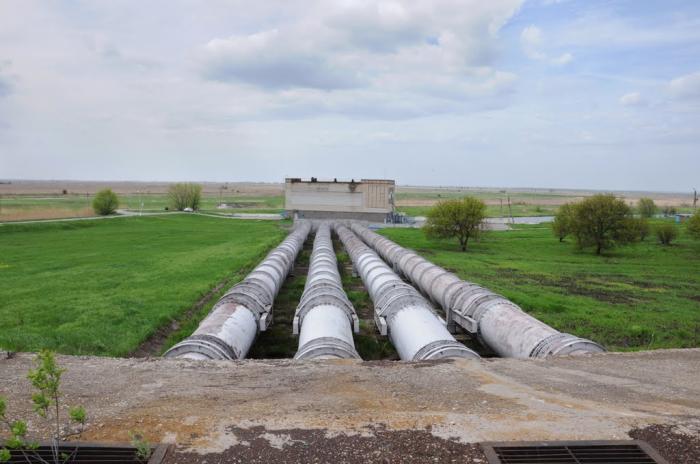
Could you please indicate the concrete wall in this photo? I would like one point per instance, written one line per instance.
(354, 199)
(360, 216)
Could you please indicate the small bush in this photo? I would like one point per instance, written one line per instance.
(694, 226)
(666, 233)
(105, 203)
(642, 228)
(669, 210)
(563, 221)
(647, 207)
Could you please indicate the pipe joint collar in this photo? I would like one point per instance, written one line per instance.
(327, 347)
(562, 344)
(444, 349)
(206, 345)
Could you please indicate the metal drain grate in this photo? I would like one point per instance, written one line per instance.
(87, 453)
(572, 452)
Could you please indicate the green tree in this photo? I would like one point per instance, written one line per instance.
(646, 207)
(693, 226)
(105, 202)
(666, 233)
(563, 221)
(462, 219)
(185, 195)
(603, 221)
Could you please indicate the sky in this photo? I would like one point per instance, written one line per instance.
(511, 93)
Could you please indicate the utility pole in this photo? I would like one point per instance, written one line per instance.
(140, 203)
(510, 210)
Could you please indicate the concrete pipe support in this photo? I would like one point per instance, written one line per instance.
(325, 318)
(400, 311)
(233, 323)
(499, 323)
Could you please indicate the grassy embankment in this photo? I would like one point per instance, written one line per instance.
(642, 296)
(103, 287)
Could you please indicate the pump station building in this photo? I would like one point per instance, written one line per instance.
(368, 199)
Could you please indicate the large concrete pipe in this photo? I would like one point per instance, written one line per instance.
(325, 318)
(233, 323)
(499, 323)
(400, 311)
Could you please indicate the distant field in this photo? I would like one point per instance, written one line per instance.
(28, 207)
(523, 202)
(644, 296)
(27, 200)
(103, 287)
(518, 210)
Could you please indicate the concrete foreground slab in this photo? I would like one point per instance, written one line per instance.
(210, 407)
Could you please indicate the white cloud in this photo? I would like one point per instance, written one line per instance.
(531, 39)
(415, 57)
(564, 58)
(686, 87)
(270, 59)
(631, 99)
(6, 86)
(603, 27)
(532, 42)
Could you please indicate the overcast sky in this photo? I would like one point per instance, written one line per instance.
(538, 93)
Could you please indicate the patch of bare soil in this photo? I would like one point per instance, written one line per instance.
(28, 214)
(575, 285)
(258, 445)
(56, 187)
(679, 444)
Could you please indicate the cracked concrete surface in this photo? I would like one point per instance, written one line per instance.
(198, 405)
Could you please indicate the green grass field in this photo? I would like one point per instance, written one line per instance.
(642, 296)
(103, 287)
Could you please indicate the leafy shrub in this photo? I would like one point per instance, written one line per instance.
(185, 195)
(603, 221)
(666, 233)
(647, 207)
(105, 203)
(669, 210)
(563, 221)
(694, 226)
(642, 228)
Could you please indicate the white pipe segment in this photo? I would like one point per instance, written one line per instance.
(415, 331)
(325, 318)
(499, 323)
(233, 323)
